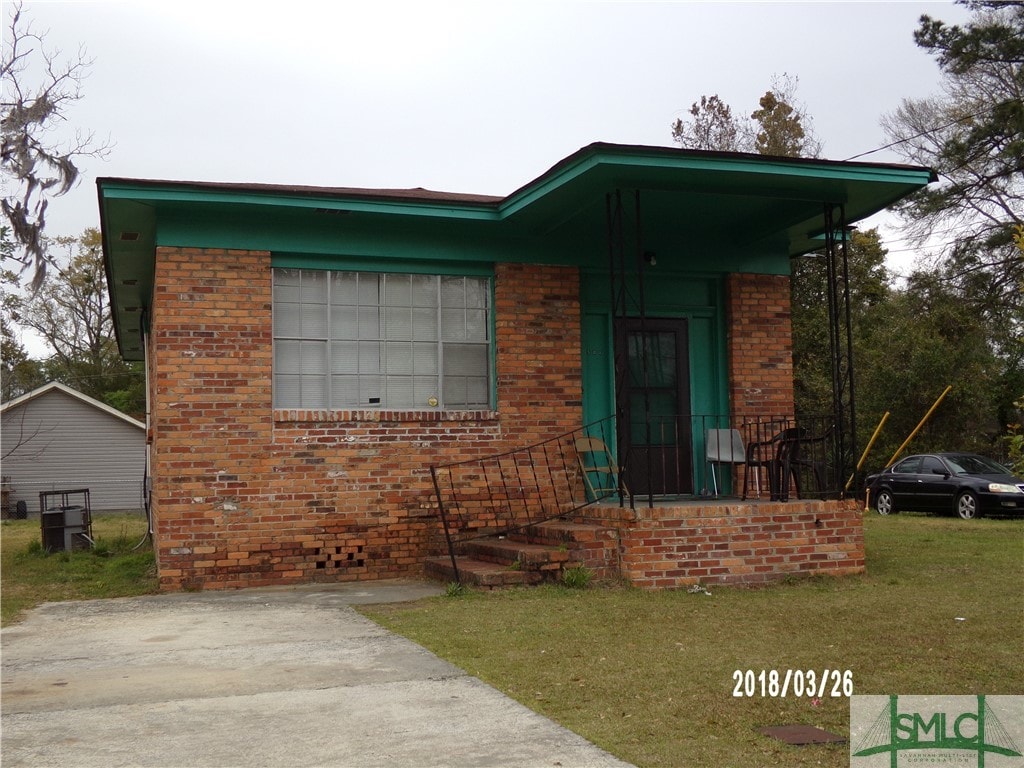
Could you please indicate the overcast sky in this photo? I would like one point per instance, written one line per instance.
(477, 97)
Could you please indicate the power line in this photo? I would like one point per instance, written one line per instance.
(922, 133)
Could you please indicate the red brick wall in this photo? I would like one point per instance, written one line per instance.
(760, 345)
(671, 547)
(246, 496)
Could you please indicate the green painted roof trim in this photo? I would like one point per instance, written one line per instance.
(279, 197)
(667, 158)
(730, 209)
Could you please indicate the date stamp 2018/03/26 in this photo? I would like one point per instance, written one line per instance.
(774, 683)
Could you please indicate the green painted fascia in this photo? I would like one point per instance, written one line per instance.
(542, 187)
(636, 158)
(156, 194)
(465, 229)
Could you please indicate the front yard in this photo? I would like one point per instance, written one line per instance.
(650, 676)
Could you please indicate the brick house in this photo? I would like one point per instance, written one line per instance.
(313, 352)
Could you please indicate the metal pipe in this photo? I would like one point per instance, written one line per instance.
(867, 450)
(919, 425)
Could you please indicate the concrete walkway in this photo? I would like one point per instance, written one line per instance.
(261, 677)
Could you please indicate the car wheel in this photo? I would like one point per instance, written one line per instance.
(967, 505)
(884, 503)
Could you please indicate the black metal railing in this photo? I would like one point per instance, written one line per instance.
(789, 457)
(777, 457)
(510, 491)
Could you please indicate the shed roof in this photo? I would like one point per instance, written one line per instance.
(56, 386)
(709, 200)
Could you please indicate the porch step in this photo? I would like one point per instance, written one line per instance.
(560, 533)
(480, 573)
(535, 554)
(517, 554)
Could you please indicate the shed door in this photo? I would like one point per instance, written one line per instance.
(659, 457)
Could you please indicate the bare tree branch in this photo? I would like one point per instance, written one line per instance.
(27, 445)
(35, 168)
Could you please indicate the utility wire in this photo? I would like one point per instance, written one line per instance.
(922, 133)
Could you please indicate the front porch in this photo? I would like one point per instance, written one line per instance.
(730, 541)
(672, 544)
(525, 516)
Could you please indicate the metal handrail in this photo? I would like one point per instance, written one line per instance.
(506, 492)
(510, 491)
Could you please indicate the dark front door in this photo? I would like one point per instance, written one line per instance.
(657, 406)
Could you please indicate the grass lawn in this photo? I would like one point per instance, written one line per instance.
(649, 676)
(29, 576)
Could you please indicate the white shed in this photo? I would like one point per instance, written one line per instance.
(54, 439)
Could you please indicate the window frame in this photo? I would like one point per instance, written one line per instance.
(359, 267)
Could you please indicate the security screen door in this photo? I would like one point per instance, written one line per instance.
(657, 381)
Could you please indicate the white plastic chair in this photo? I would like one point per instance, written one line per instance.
(723, 446)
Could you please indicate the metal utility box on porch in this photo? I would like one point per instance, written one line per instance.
(65, 526)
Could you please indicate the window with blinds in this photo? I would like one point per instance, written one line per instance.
(361, 340)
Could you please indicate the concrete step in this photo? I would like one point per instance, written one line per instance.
(480, 573)
(518, 554)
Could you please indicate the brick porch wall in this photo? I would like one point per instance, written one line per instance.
(245, 496)
(670, 547)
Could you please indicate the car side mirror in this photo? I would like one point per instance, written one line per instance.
(942, 472)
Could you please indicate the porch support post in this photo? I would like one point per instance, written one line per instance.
(840, 340)
(620, 356)
(644, 363)
(623, 302)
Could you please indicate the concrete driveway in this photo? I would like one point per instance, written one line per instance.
(260, 677)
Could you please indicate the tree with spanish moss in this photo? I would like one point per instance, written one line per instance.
(39, 89)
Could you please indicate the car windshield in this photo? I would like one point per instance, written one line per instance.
(970, 464)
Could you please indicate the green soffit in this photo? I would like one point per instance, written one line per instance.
(709, 207)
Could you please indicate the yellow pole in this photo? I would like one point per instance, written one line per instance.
(919, 425)
(867, 450)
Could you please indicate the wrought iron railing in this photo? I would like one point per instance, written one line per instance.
(695, 456)
(778, 458)
(510, 491)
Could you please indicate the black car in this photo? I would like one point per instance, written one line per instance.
(966, 484)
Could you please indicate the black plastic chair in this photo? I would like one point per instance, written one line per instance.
(804, 456)
(776, 456)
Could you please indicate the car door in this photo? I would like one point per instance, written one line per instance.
(905, 478)
(936, 486)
